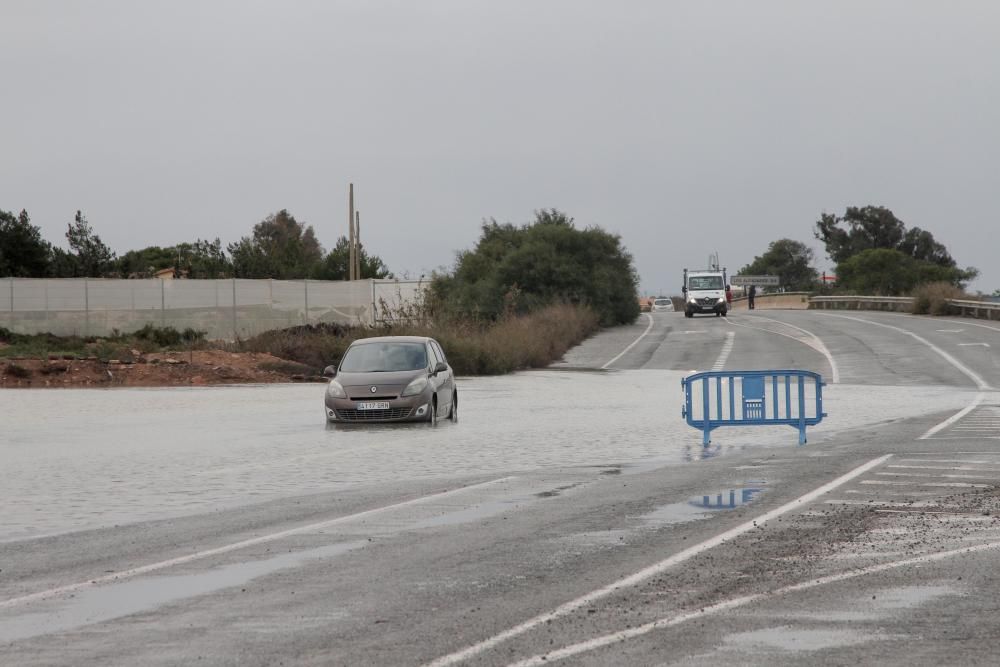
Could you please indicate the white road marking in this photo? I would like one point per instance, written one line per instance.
(950, 330)
(973, 344)
(976, 402)
(913, 474)
(152, 567)
(965, 370)
(727, 348)
(967, 468)
(633, 343)
(652, 570)
(965, 461)
(886, 503)
(733, 603)
(942, 484)
(815, 343)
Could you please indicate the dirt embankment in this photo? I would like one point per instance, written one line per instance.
(155, 369)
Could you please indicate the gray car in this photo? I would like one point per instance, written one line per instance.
(392, 379)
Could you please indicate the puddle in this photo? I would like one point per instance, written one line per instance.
(886, 600)
(103, 603)
(700, 507)
(788, 638)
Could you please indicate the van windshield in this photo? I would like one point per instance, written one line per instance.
(705, 282)
(384, 357)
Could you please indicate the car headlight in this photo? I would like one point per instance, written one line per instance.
(721, 299)
(335, 390)
(415, 387)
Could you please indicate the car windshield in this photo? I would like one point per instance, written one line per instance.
(705, 282)
(384, 357)
(662, 302)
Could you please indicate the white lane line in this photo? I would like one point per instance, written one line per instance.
(727, 348)
(967, 485)
(962, 368)
(733, 603)
(976, 402)
(965, 461)
(966, 468)
(633, 343)
(815, 343)
(652, 570)
(886, 503)
(927, 474)
(152, 567)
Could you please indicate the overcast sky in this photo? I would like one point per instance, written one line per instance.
(686, 127)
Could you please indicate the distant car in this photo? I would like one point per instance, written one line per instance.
(391, 379)
(663, 305)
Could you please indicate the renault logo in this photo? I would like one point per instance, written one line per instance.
(374, 389)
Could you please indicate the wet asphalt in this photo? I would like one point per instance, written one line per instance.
(231, 526)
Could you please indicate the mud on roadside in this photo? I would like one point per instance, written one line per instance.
(155, 369)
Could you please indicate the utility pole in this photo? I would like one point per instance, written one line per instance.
(357, 241)
(350, 225)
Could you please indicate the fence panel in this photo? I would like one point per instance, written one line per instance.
(224, 309)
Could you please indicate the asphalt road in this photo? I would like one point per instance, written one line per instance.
(569, 516)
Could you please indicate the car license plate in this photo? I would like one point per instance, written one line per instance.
(374, 405)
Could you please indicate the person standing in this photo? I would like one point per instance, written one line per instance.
(751, 293)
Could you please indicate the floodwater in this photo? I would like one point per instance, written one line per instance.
(79, 459)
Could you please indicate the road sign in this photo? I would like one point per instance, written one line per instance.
(763, 281)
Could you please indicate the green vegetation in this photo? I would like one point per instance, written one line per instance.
(790, 261)
(517, 270)
(279, 247)
(118, 346)
(876, 254)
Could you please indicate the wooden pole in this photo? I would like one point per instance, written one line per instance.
(357, 241)
(350, 225)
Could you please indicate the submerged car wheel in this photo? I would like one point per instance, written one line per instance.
(453, 415)
(432, 412)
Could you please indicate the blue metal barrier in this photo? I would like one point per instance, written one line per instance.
(793, 395)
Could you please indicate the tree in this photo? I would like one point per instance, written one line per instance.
(887, 272)
(518, 269)
(877, 228)
(280, 247)
(335, 264)
(23, 252)
(789, 260)
(93, 259)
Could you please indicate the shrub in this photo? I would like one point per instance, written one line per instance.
(168, 336)
(18, 371)
(932, 298)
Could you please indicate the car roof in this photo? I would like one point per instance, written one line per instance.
(391, 339)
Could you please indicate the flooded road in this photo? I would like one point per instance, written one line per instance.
(82, 459)
(571, 514)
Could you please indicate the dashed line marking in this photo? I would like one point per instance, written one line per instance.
(727, 348)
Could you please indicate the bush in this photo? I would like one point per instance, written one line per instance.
(16, 371)
(168, 336)
(932, 298)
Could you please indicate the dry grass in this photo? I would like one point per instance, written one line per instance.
(473, 348)
(932, 298)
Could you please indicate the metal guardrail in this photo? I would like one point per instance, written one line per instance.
(753, 398)
(986, 310)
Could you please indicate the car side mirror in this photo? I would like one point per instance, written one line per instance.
(329, 371)
(440, 368)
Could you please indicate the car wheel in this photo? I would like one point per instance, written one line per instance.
(453, 415)
(688, 313)
(432, 414)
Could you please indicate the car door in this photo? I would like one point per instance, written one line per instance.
(447, 386)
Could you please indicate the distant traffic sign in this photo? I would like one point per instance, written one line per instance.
(764, 281)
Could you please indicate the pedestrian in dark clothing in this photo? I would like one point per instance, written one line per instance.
(750, 296)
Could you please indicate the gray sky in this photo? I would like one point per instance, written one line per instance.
(686, 127)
